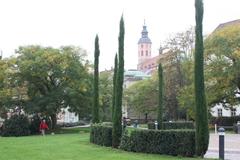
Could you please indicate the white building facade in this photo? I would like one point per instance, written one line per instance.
(67, 117)
(220, 111)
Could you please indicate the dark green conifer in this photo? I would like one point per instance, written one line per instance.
(114, 83)
(202, 133)
(160, 96)
(95, 109)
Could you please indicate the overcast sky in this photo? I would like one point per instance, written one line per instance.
(76, 22)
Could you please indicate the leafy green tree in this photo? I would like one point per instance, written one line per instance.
(160, 98)
(114, 84)
(220, 53)
(95, 113)
(3, 69)
(12, 93)
(182, 44)
(180, 50)
(142, 97)
(2, 77)
(54, 79)
(117, 118)
(202, 133)
(222, 66)
(186, 97)
(105, 95)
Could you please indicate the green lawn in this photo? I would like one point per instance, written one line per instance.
(65, 147)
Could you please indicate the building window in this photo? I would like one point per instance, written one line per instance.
(219, 112)
(141, 45)
(141, 53)
(146, 53)
(233, 112)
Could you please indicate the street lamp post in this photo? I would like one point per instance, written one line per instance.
(221, 133)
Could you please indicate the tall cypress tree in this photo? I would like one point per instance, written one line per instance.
(117, 118)
(160, 96)
(114, 84)
(202, 133)
(95, 110)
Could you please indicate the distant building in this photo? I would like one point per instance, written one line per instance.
(222, 25)
(147, 63)
(132, 75)
(220, 111)
(65, 116)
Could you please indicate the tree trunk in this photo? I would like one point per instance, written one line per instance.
(53, 121)
(146, 117)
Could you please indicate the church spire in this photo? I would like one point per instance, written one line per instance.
(144, 46)
(144, 38)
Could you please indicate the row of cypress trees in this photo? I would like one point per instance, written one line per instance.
(201, 118)
(117, 109)
(202, 133)
(117, 87)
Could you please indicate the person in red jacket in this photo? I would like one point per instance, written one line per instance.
(43, 126)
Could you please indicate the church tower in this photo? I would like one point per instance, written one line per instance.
(144, 46)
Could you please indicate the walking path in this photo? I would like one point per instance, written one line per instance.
(232, 146)
(82, 126)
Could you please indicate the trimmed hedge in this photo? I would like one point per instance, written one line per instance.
(101, 135)
(224, 121)
(17, 125)
(170, 142)
(174, 125)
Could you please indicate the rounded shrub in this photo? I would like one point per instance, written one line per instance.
(17, 125)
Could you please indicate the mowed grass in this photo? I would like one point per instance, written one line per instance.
(66, 147)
